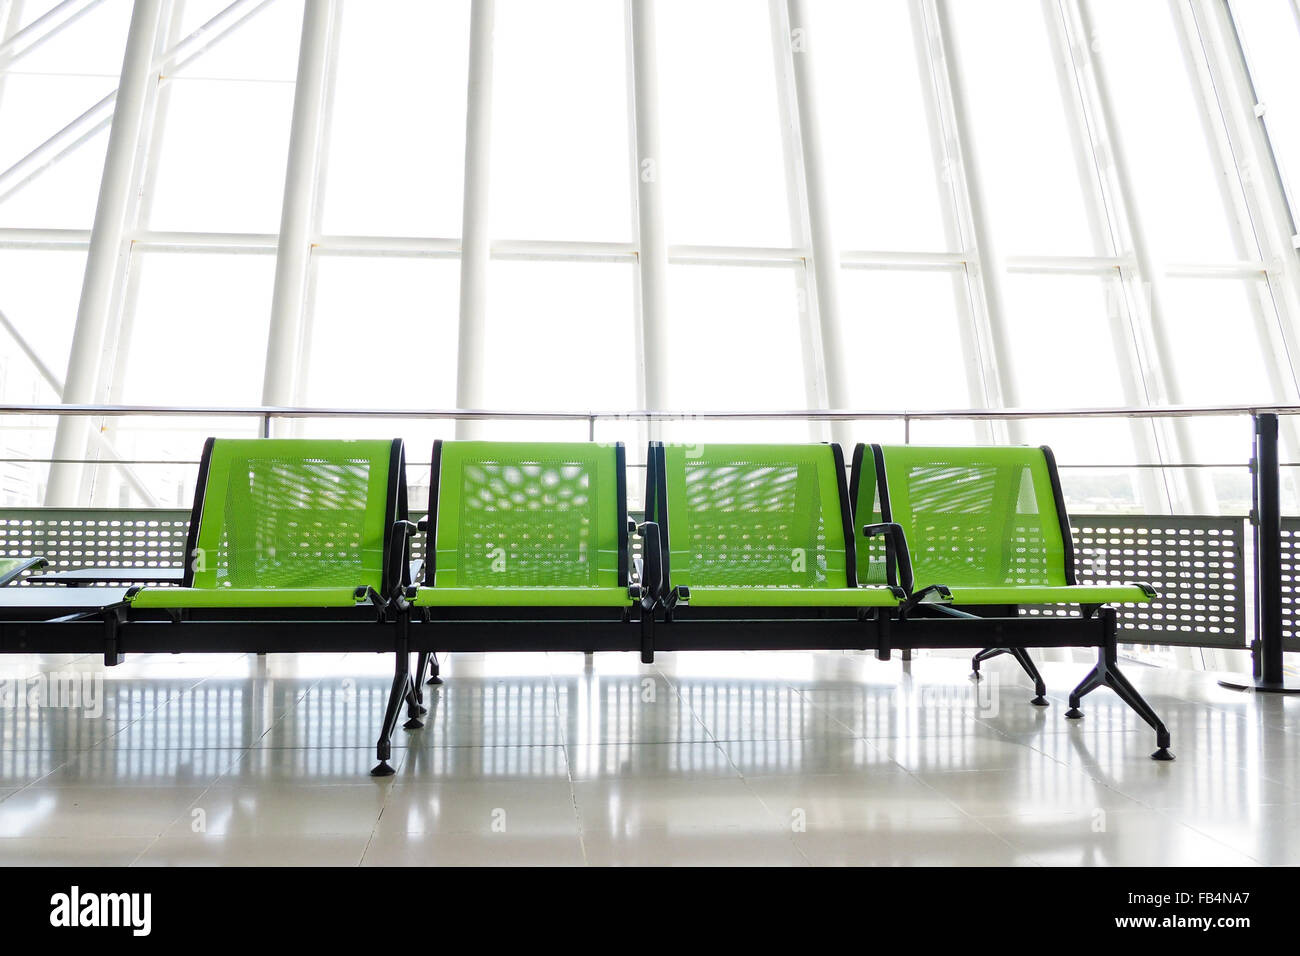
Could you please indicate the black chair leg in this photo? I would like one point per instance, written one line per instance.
(400, 691)
(1023, 659)
(1040, 689)
(1108, 674)
(414, 709)
(421, 665)
(1086, 686)
(433, 674)
(987, 654)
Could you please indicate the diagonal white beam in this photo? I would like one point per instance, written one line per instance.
(67, 139)
(106, 250)
(986, 262)
(293, 252)
(44, 28)
(56, 385)
(825, 255)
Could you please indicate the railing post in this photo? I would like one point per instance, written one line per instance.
(1266, 516)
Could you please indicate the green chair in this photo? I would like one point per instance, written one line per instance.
(527, 546)
(757, 528)
(527, 525)
(984, 532)
(290, 539)
(283, 524)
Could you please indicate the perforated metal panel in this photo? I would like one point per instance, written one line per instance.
(1290, 583)
(95, 537)
(1195, 563)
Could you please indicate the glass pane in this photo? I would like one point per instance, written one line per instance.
(39, 291)
(723, 169)
(262, 47)
(880, 155)
(397, 136)
(199, 335)
(39, 294)
(1270, 34)
(1182, 193)
(410, 304)
(559, 337)
(904, 333)
(44, 91)
(1222, 330)
(560, 156)
(736, 347)
(1030, 159)
(225, 130)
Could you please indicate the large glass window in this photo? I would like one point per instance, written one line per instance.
(397, 133)
(883, 153)
(225, 130)
(923, 322)
(723, 168)
(1030, 158)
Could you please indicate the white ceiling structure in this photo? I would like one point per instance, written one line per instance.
(652, 204)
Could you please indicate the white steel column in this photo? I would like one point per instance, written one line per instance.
(293, 252)
(952, 189)
(797, 210)
(825, 255)
(475, 245)
(1105, 221)
(302, 375)
(1145, 289)
(106, 250)
(11, 14)
(652, 247)
(988, 264)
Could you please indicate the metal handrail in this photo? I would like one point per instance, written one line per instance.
(647, 415)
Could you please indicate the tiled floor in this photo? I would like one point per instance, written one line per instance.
(741, 758)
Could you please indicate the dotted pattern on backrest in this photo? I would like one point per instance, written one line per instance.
(95, 537)
(529, 514)
(296, 522)
(527, 524)
(977, 517)
(1195, 563)
(755, 519)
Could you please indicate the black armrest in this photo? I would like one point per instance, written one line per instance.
(398, 567)
(898, 560)
(653, 578)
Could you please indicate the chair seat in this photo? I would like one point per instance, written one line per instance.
(1047, 594)
(522, 597)
(870, 596)
(180, 598)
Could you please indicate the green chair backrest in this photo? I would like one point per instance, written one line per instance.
(761, 515)
(973, 516)
(527, 514)
(295, 513)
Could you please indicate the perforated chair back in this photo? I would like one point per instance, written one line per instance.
(527, 514)
(755, 515)
(295, 513)
(973, 516)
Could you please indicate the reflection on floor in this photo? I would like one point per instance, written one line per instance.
(739, 758)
